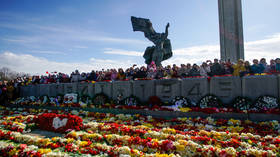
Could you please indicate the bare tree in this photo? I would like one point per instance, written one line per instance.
(8, 74)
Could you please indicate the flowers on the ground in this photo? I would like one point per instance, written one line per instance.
(123, 135)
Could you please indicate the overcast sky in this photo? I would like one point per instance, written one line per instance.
(39, 36)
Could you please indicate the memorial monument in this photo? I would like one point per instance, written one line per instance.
(231, 30)
(162, 49)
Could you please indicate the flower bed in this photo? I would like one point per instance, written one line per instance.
(134, 135)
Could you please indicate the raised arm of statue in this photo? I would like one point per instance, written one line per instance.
(166, 30)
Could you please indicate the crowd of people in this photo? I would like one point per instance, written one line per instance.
(206, 69)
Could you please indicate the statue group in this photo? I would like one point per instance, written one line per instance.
(162, 49)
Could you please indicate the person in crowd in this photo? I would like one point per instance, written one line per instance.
(216, 68)
(160, 73)
(129, 73)
(10, 91)
(83, 77)
(151, 74)
(264, 64)
(228, 68)
(100, 76)
(182, 71)
(188, 69)
(194, 71)
(168, 72)
(175, 70)
(204, 69)
(256, 67)
(248, 69)
(92, 76)
(51, 79)
(36, 80)
(107, 75)
(3, 96)
(223, 66)
(142, 73)
(75, 76)
(121, 74)
(272, 66)
(277, 65)
(239, 68)
(114, 74)
(65, 78)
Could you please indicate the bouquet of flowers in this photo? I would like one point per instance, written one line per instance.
(266, 103)
(59, 122)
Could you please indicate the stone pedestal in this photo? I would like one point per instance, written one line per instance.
(166, 90)
(103, 87)
(70, 88)
(44, 89)
(143, 89)
(194, 88)
(226, 88)
(33, 90)
(123, 88)
(255, 86)
(83, 88)
(24, 91)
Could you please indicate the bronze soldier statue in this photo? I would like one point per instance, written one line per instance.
(162, 49)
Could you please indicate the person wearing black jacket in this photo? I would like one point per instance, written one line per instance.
(142, 73)
(216, 68)
(194, 71)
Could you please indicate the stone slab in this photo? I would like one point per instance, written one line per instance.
(59, 88)
(83, 88)
(255, 86)
(278, 86)
(226, 88)
(70, 88)
(241, 116)
(53, 90)
(103, 87)
(166, 90)
(143, 89)
(33, 90)
(91, 89)
(195, 88)
(44, 89)
(24, 91)
(123, 88)
(263, 117)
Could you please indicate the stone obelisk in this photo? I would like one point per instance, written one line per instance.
(231, 30)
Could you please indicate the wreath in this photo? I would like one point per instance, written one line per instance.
(181, 101)
(44, 99)
(119, 100)
(71, 98)
(154, 100)
(265, 103)
(242, 103)
(85, 99)
(209, 101)
(100, 99)
(131, 101)
(59, 98)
